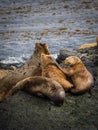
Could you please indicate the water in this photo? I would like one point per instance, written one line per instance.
(61, 24)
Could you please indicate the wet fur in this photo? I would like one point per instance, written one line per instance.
(51, 70)
(81, 77)
(28, 78)
(40, 86)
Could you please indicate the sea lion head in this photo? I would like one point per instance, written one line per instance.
(57, 93)
(41, 48)
(72, 60)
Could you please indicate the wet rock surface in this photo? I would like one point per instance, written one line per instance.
(23, 111)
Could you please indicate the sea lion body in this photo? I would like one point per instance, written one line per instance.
(51, 70)
(40, 86)
(81, 77)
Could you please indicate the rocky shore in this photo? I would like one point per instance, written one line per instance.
(27, 112)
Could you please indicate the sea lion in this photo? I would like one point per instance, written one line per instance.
(81, 77)
(52, 70)
(97, 40)
(40, 86)
(89, 45)
(32, 67)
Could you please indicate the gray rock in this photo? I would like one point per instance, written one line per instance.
(65, 53)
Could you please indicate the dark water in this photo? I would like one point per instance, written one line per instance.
(61, 24)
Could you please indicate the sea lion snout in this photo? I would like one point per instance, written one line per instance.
(59, 97)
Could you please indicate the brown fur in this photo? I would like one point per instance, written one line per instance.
(51, 70)
(29, 78)
(81, 77)
(40, 86)
(9, 78)
(3, 73)
(89, 45)
(31, 67)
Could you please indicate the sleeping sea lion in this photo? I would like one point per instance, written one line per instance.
(40, 86)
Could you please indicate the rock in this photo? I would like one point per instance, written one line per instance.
(25, 111)
(65, 53)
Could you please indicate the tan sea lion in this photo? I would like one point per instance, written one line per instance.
(52, 70)
(89, 45)
(40, 86)
(97, 40)
(81, 77)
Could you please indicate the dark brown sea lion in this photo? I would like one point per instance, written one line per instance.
(40, 86)
(32, 67)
